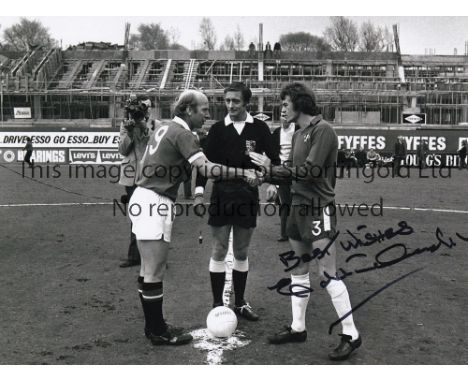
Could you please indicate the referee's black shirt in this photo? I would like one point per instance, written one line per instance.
(224, 145)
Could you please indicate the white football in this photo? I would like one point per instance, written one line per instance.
(221, 322)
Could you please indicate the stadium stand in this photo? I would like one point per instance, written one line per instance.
(92, 80)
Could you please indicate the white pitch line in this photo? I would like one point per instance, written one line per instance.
(416, 209)
(215, 347)
(57, 204)
(215, 355)
(426, 209)
(190, 203)
(229, 263)
(440, 210)
(397, 208)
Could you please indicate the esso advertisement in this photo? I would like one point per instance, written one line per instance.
(60, 139)
(61, 147)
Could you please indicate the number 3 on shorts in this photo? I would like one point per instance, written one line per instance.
(316, 230)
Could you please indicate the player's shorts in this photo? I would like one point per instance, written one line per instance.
(233, 203)
(307, 223)
(151, 214)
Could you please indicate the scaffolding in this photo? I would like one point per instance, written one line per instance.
(351, 88)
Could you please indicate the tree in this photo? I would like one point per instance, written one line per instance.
(154, 37)
(228, 44)
(174, 35)
(342, 34)
(238, 39)
(373, 39)
(27, 34)
(177, 46)
(303, 42)
(208, 33)
(150, 37)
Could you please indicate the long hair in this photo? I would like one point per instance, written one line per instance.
(302, 98)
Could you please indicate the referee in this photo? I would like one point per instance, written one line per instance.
(234, 203)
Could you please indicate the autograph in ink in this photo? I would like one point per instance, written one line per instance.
(388, 256)
(356, 307)
(391, 255)
(379, 237)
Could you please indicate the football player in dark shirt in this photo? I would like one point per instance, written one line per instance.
(462, 153)
(311, 225)
(234, 203)
(29, 150)
(171, 151)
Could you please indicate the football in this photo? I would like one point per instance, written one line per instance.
(221, 322)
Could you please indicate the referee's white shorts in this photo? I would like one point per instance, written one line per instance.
(151, 215)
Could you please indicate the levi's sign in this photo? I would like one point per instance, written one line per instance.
(110, 156)
(83, 156)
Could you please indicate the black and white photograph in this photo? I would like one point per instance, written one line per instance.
(233, 189)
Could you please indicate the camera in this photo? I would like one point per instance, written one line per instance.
(136, 108)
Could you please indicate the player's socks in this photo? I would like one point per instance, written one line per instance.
(240, 270)
(140, 282)
(340, 299)
(301, 285)
(152, 301)
(217, 277)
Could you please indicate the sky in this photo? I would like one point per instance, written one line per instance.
(417, 33)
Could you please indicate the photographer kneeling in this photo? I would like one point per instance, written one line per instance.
(134, 134)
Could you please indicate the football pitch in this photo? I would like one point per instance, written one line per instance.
(64, 299)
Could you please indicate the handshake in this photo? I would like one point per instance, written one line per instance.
(253, 177)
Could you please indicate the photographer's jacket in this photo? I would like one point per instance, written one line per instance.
(132, 146)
